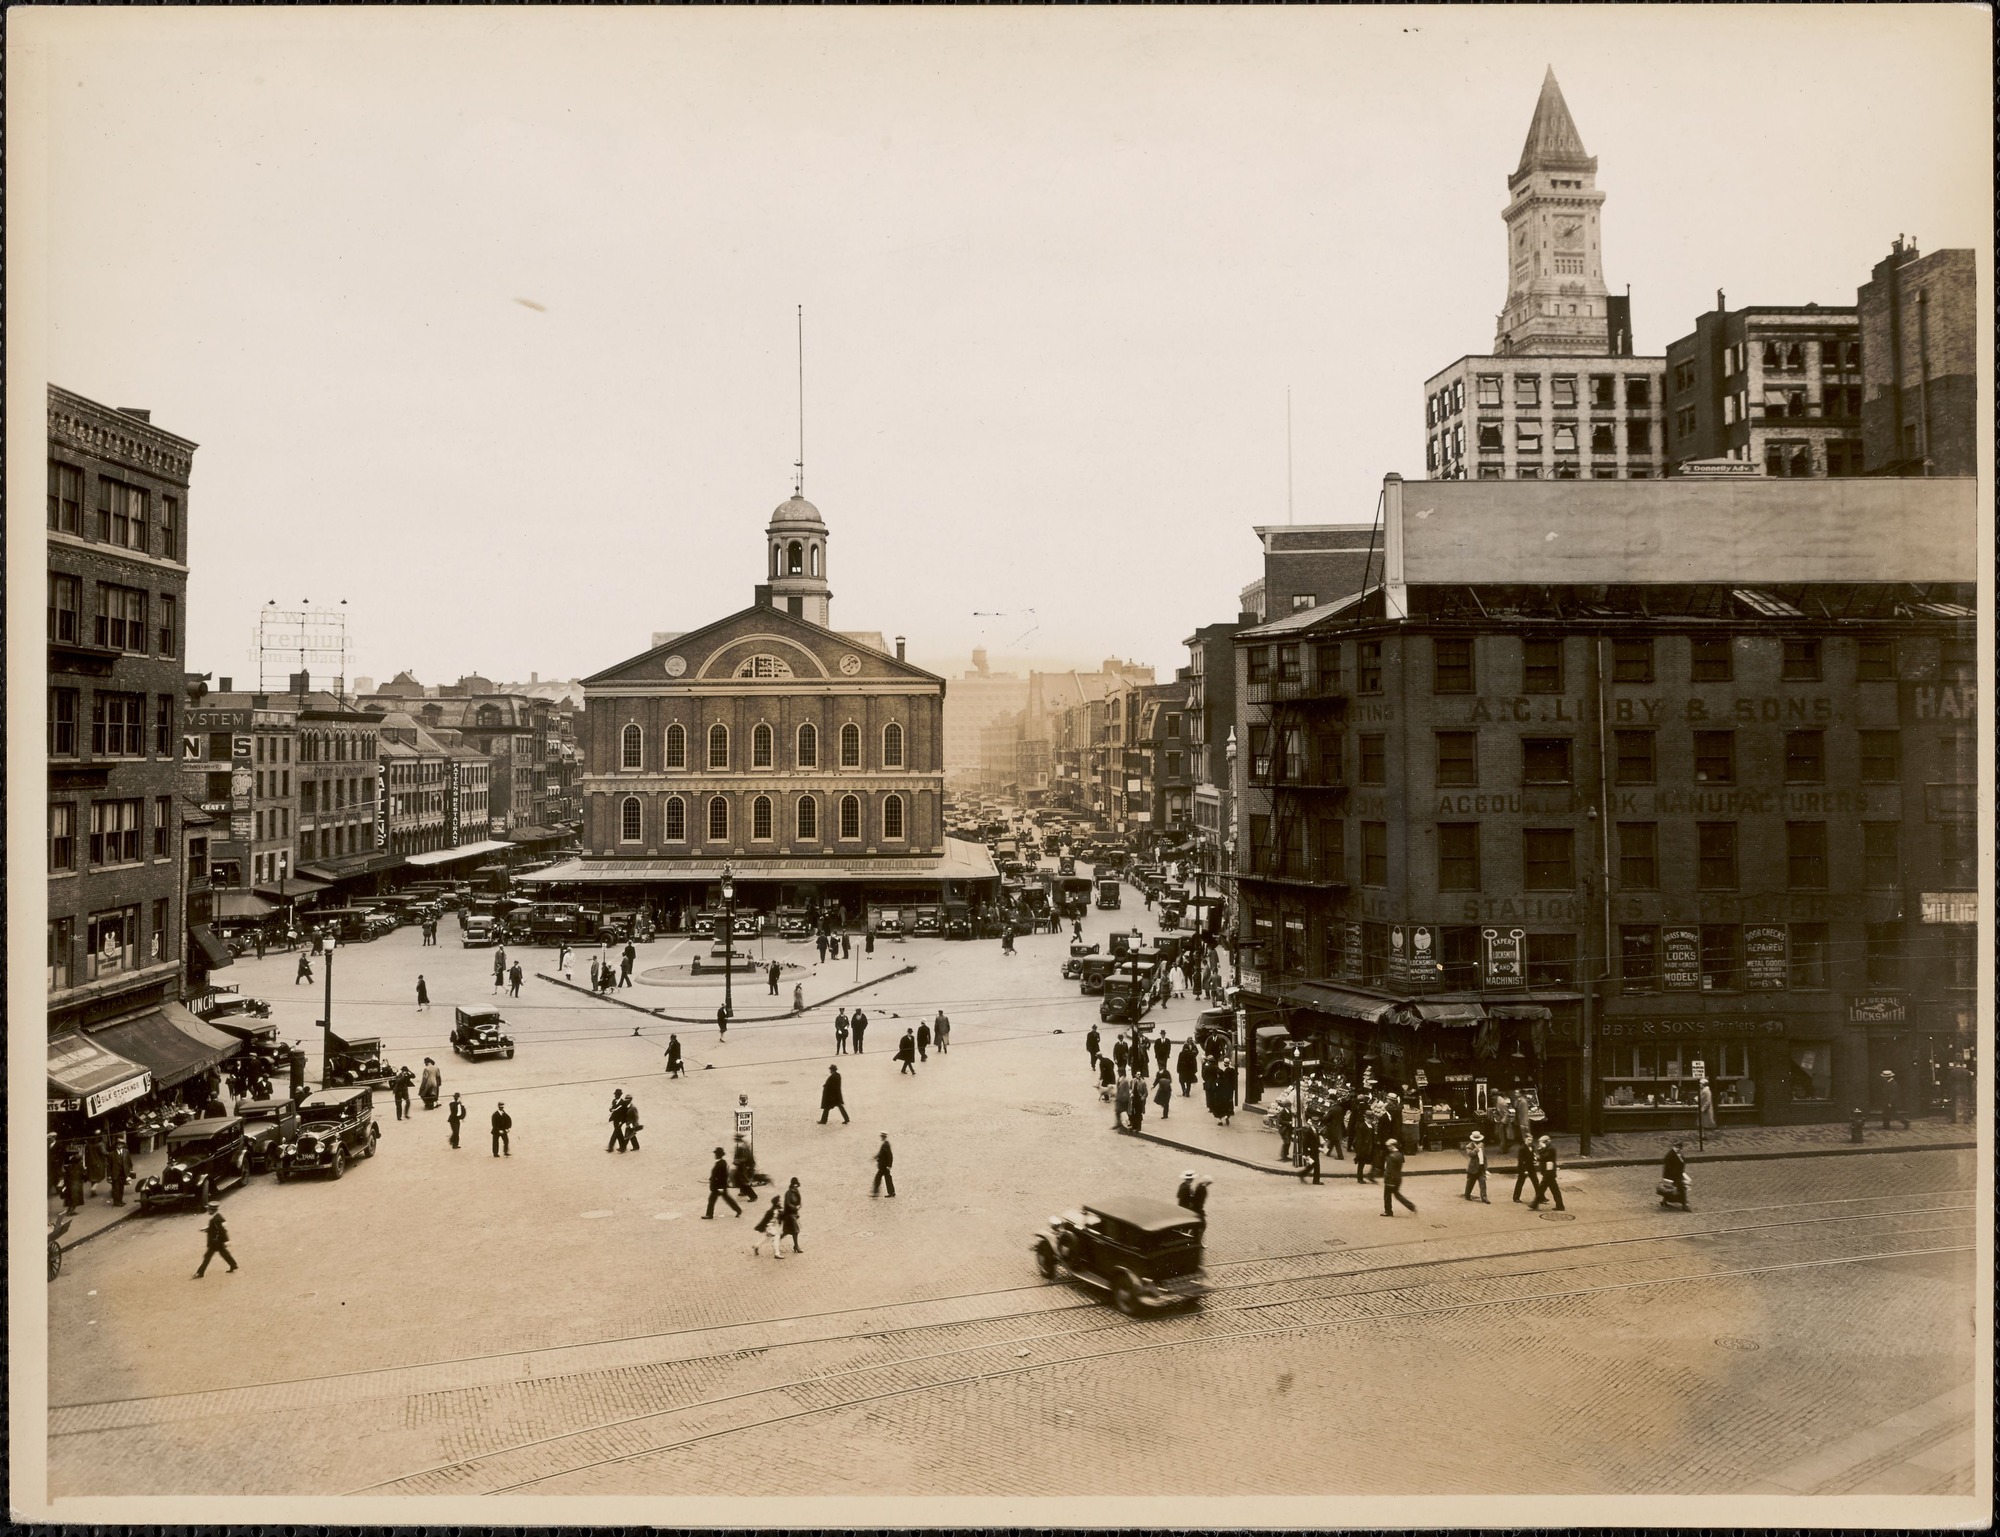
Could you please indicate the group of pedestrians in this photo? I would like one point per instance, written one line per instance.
(625, 1127)
(846, 1027)
(835, 946)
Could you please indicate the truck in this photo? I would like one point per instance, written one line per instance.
(1107, 892)
(553, 923)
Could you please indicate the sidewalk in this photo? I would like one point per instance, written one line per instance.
(1246, 1140)
(97, 1213)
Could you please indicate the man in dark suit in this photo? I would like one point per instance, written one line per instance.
(718, 1187)
(832, 1097)
(885, 1161)
(502, 1124)
(455, 1117)
(1524, 1170)
(1392, 1179)
(1548, 1173)
(859, 1025)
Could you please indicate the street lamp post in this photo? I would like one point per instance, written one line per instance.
(326, 1023)
(728, 944)
(1298, 1106)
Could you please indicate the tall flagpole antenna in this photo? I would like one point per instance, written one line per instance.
(1288, 453)
(799, 465)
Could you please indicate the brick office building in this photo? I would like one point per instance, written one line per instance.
(117, 590)
(1919, 321)
(1686, 766)
(1776, 386)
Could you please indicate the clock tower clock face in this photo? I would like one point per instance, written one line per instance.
(1569, 234)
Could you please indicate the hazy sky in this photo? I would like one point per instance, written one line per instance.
(484, 319)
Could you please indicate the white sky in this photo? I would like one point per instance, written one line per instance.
(1059, 269)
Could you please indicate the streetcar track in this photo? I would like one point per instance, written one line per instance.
(1188, 1340)
(1339, 1273)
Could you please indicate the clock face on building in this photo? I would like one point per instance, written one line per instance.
(1569, 234)
(676, 665)
(850, 664)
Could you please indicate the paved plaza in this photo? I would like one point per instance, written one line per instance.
(563, 1321)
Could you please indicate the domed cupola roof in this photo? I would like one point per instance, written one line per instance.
(795, 509)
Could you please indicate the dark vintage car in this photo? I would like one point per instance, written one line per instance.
(957, 921)
(1091, 971)
(1126, 997)
(359, 1061)
(794, 923)
(202, 1157)
(335, 1125)
(476, 1033)
(1107, 891)
(1146, 1253)
(268, 1124)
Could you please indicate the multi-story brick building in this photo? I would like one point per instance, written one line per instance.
(117, 590)
(1775, 386)
(1305, 564)
(1919, 323)
(239, 759)
(1604, 781)
(411, 811)
(1211, 718)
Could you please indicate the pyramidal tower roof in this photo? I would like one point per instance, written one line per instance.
(1553, 143)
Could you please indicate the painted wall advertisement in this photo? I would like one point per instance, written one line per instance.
(1504, 967)
(1680, 960)
(382, 809)
(1399, 953)
(1350, 951)
(451, 803)
(1764, 955)
(1423, 954)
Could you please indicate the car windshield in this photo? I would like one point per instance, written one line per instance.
(338, 1110)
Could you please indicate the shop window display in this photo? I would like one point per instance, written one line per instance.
(1662, 1076)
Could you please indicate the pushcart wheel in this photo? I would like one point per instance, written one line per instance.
(55, 1259)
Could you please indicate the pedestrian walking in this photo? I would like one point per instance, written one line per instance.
(1139, 1088)
(562, 956)
(96, 1163)
(1163, 1093)
(1090, 1044)
(1705, 1107)
(1186, 1065)
(923, 1040)
(632, 1126)
(1105, 1078)
(790, 1216)
(1524, 1170)
(832, 1097)
(718, 1187)
(430, 1084)
(1549, 1175)
(846, 945)
(1475, 1166)
(859, 1024)
(822, 949)
(675, 1067)
(1524, 1116)
(72, 1178)
(423, 993)
(941, 1033)
(840, 1034)
(454, 1116)
(798, 997)
(305, 971)
(514, 980)
(1673, 1185)
(769, 1224)
(1121, 1054)
(120, 1157)
(217, 1237)
(869, 940)
(617, 1120)
(1193, 1196)
(1160, 1049)
(885, 1163)
(1283, 1124)
(500, 970)
(1309, 1146)
(722, 1021)
(1890, 1109)
(1392, 1179)
(906, 1053)
(1366, 1155)
(1122, 1103)
(503, 1123)
(260, 944)
(399, 1090)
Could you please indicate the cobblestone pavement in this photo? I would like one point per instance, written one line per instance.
(563, 1321)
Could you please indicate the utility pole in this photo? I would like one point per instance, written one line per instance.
(326, 1024)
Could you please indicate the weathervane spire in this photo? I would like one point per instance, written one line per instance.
(799, 464)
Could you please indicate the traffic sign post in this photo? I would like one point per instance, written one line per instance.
(1700, 1069)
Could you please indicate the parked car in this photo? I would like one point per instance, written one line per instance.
(476, 1033)
(479, 929)
(957, 921)
(1091, 971)
(794, 923)
(334, 1126)
(929, 924)
(268, 1124)
(1146, 1253)
(359, 1061)
(202, 1157)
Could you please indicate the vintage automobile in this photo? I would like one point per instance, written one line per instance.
(202, 1157)
(1079, 952)
(746, 925)
(268, 1124)
(957, 921)
(1126, 998)
(706, 922)
(334, 1125)
(929, 924)
(1107, 892)
(476, 1033)
(1146, 1253)
(1066, 864)
(1091, 970)
(478, 929)
(794, 923)
(359, 1061)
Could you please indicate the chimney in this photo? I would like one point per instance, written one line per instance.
(762, 595)
(534, 678)
(260, 701)
(301, 683)
(225, 685)
(1721, 303)
(899, 648)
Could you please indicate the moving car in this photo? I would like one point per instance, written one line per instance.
(476, 1033)
(334, 1125)
(359, 1061)
(268, 1124)
(1091, 971)
(479, 929)
(202, 1157)
(1146, 1253)
(1107, 892)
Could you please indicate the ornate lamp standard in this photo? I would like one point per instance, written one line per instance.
(728, 943)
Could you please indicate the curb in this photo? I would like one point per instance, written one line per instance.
(745, 1019)
(1455, 1171)
(77, 1243)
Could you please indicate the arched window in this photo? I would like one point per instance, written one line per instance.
(677, 747)
(892, 746)
(634, 752)
(815, 559)
(718, 746)
(677, 820)
(850, 746)
(718, 819)
(892, 816)
(795, 559)
(774, 560)
(808, 746)
(850, 816)
(628, 820)
(808, 818)
(760, 818)
(760, 747)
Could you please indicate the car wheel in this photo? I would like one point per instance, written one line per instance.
(207, 1189)
(1045, 1259)
(374, 1137)
(1125, 1293)
(510, 1053)
(339, 1162)
(284, 1175)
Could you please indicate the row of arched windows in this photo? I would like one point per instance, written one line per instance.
(763, 747)
(798, 558)
(805, 819)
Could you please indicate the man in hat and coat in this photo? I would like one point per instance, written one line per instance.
(1475, 1166)
(832, 1097)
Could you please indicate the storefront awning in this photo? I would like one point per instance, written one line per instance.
(86, 1076)
(1459, 1016)
(213, 950)
(296, 885)
(1530, 1012)
(1339, 1000)
(169, 1042)
(340, 867)
(961, 861)
(242, 904)
(463, 851)
(529, 835)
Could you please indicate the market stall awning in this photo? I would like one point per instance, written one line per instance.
(1339, 1000)
(295, 885)
(1517, 1011)
(463, 851)
(961, 861)
(530, 835)
(1462, 1015)
(242, 904)
(340, 867)
(212, 949)
(91, 1077)
(169, 1042)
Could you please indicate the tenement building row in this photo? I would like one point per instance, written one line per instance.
(1602, 789)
